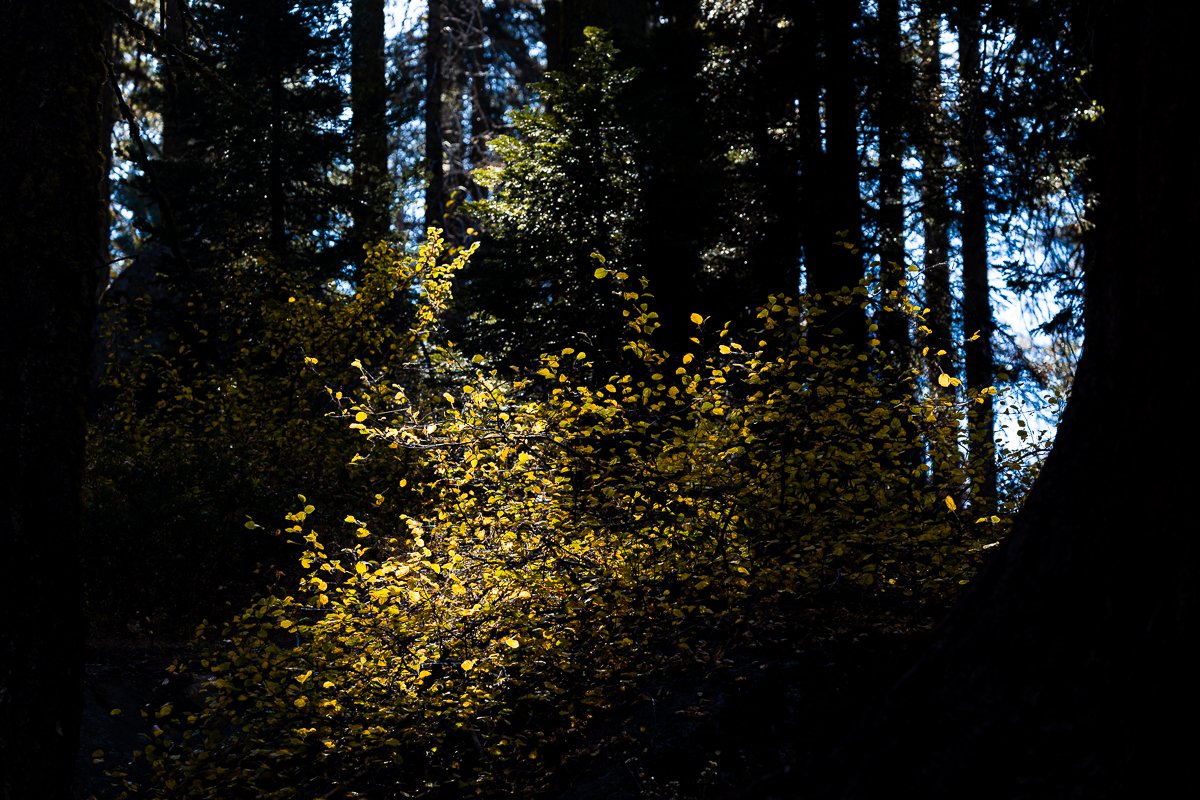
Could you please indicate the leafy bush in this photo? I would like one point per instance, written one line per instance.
(215, 408)
(565, 535)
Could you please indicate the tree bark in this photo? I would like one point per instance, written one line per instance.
(52, 217)
(435, 163)
(977, 307)
(1065, 669)
(371, 185)
(935, 223)
(891, 101)
(833, 261)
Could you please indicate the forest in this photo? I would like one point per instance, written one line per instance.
(573, 399)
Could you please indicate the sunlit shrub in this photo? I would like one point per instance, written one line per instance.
(570, 535)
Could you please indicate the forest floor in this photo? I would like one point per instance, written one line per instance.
(765, 720)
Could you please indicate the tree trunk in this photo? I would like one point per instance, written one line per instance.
(371, 185)
(891, 88)
(775, 252)
(277, 233)
(1065, 670)
(935, 222)
(435, 164)
(52, 216)
(833, 260)
(977, 307)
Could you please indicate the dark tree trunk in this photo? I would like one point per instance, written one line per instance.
(484, 116)
(455, 81)
(52, 216)
(775, 252)
(369, 141)
(891, 93)
(1065, 671)
(277, 234)
(833, 260)
(977, 307)
(177, 105)
(435, 164)
(935, 223)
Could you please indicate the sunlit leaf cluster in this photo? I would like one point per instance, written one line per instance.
(564, 535)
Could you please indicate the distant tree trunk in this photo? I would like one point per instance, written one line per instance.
(894, 113)
(484, 117)
(935, 222)
(276, 191)
(435, 164)
(1066, 669)
(775, 253)
(176, 78)
(977, 307)
(831, 265)
(371, 185)
(108, 119)
(891, 88)
(50, 224)
(455, 98)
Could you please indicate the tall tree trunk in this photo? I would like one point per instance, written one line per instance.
(276, 191)
(484, 116)
(935, 222)
(775, 253)
(371, 185)
(173, 16)
(977, 307)
(455, 82)
(1065, 670)
(52, 215)
(891, 114)
(833, 259)
(435, 165)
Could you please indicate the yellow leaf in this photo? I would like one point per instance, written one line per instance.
(512, 642)
(351, 520)
(360, 416)
(458, 588)
(360, 568)
(697, 319)
(687, 358)
(950, 504)
(468, 665)
(943, 379)
(600, 272)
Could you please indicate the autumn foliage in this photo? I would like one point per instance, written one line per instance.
(550, 540)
